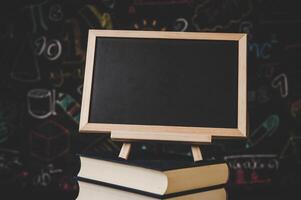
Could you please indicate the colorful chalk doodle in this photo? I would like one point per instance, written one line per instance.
(49, 141)
(95, 18)
(69, 105)
(265, 130)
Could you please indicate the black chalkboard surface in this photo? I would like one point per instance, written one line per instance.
(165, 82)
(162, 81)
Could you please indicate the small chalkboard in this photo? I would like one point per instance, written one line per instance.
(169, 86)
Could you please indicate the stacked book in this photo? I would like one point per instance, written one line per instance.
(151, 179)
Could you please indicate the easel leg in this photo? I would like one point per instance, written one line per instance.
(125, 150)
(196, 153)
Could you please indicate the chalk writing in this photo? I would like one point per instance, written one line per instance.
(56, 13)
(252, 169)
(181, 24)
(215, 12)
(45, 176)
(253, 161)
(40, 44)
(280, 81)
(263, 95)
(263, 50)
(51, 49)
(10, 167)
(39, 17)
(268, 70)
(9, 159)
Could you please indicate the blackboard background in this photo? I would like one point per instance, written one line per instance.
(165, 82)
(43, 46)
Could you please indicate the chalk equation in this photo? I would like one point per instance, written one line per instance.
(252, 169)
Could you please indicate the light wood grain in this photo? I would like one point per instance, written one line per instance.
(87, 87)
(161, 136)
(242, 86)
(108, 128)
(196, 153)
(125, 150)
(168, 35)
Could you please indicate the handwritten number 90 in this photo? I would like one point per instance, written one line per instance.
(51, 49)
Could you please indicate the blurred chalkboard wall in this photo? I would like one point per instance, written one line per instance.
(42, 56)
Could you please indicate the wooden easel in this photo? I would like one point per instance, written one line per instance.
(192, 138)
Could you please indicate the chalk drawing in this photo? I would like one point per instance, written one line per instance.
(280, 81)
(266, 129)
(181, 24)
(51, 49)
(41, 103)
(37, 16)
(56, 13)
(70, 106)
(149, 25)
(103, 19)
(45, 175)
(206, 9)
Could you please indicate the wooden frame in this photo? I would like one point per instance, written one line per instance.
(127, 132)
